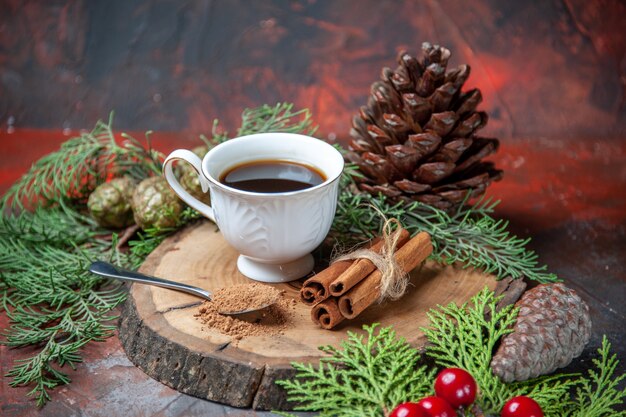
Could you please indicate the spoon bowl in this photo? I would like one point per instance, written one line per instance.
(107, 270)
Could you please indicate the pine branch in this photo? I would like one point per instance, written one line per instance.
(55, 226)
(80, 165)
(367, 376)
(460, 337)
(470, 237)
(38, 369)
(277, 118)
(52, 302)
(148, 240)
(49, 297)
(599, 394)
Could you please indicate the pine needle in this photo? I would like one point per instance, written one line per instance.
(469, 237)
(79, 166)
(367, 376)
(277, 118)
(51, 300)
(598, 395)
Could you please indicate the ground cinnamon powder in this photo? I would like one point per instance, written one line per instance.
(245, 296)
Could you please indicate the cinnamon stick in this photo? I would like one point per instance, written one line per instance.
(366, 292)
(315, 289)
(326, 314)
(362, 267)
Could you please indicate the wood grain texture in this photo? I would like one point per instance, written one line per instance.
(162, 337)
(552, 68)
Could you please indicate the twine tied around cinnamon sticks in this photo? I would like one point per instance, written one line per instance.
(354, 282)
(393, 279)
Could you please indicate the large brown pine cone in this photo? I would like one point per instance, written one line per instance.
(552, 328)
(414, 140)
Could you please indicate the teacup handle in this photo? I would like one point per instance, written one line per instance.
(196, 163)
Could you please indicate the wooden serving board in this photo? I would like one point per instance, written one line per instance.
(162, 337)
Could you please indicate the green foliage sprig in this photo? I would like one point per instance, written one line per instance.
(599, 393)
(470, 237)
(147, 240)
(366, 376)
(369, 375)
(79, 166)
(461, 337)
(52, 302)
(278, 118)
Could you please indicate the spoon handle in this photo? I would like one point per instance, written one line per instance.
(108, 270)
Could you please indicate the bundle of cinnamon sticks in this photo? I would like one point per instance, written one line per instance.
(346, 288)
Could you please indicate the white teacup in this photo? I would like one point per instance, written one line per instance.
(273, 232)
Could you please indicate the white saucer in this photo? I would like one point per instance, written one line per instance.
(274, 273)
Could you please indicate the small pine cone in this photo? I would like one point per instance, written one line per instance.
(190, 180)
(155, 205)
(109, 203)
(552, 328)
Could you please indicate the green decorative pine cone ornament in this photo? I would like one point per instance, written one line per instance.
(189, 180)
(109, 204)
(415, 139)
(155, 205)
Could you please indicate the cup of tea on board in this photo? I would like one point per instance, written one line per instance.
(273, 197)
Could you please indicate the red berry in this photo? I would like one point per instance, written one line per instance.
(521, 407)
(456, 386)
(436, 407)
(407, 410)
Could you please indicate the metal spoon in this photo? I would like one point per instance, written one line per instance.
(108, 270)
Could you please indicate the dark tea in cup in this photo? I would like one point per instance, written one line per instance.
(272, 176)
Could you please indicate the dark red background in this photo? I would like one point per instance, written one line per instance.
(552, 68)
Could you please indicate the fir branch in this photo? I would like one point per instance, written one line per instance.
(278, 118)
(144, 244)
(598, 395)
(49, 297)
(80, 165)
(52, 302)
(461, 337)
(38, 369)
(367, 376)
(54, 226)
(470, 237)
